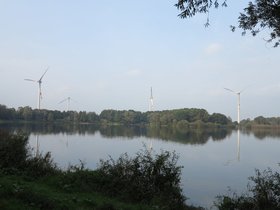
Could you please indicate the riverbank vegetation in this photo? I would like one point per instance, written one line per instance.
(192, 118)
(147, 181)
(263, 193)
(261, 122)
(187, 117)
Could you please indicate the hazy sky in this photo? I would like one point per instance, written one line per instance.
(107, 55)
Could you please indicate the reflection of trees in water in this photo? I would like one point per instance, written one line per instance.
(168, 133)
(122, 131)
(261, 133)
(188, 136)
(185, 136)
(50, 128)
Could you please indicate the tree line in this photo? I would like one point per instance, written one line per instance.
(181, 118)
(261, 122)
(178, 117)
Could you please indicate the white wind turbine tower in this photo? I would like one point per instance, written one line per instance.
(151, 104)
(40, 89)
(68, 99)
(238, 102)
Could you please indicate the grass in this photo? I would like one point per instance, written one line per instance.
(19, 192)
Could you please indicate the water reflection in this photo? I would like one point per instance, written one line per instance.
(37, 145)
(50, 128)
(238, 145)
(237, 157)
(184, 136)
(211, 158)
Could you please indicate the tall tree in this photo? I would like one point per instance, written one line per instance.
(257, 16)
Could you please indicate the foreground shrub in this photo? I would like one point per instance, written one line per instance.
(263, 194)
(146, 178)
(13, 150)
(15, 157)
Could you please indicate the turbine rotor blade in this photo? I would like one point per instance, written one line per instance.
(63, 100)
(73, 100)
(229, 90)
(44, 74)
(245, 88)
(31, 80)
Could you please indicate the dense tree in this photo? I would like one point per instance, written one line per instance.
(219, 118)
(179, 117)
(261, 120)
(257, 16)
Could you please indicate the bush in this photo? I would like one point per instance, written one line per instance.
(41, 165)
(13, 150)
(15, 157)
(263, 194)
(146, 178)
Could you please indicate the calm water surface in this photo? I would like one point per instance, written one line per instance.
(212, 160)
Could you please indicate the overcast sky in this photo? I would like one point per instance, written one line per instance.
(107, 55)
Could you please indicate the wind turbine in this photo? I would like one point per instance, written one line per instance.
(238, 102)
(151, 105)
(68, 99)
(40, 88)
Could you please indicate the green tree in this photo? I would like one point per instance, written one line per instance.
(219, 119)
(261, 120)
(26, 113)
(262, 14)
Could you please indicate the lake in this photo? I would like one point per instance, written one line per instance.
(213, 160)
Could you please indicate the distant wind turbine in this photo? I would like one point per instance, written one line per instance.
(40, 88)
(151, 104)
(238, 102)
(68, 99)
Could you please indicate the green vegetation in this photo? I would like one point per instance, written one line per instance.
(263, 194)
(256, 17)
(261, 122)
(28, 114)
(147, 181)
(188, 118)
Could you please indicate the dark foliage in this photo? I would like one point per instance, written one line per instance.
(190, 8)
(257, 16)
(13, 150)
(146, 178)
(124, 117)
(15, 157)
(263, 194)
(263, 14)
